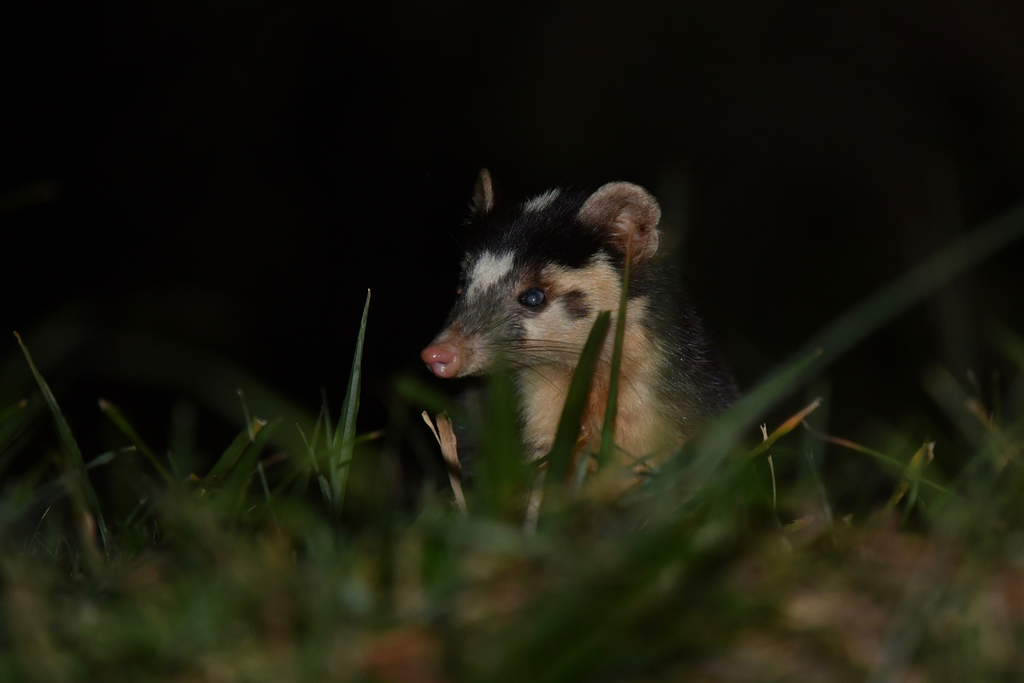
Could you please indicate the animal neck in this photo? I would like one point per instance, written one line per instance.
(641, 427)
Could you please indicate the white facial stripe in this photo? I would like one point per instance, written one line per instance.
(542, 201)
(487, 271)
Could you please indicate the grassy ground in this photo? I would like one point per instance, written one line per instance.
(293, 557)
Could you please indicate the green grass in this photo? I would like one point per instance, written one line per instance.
(291, 556)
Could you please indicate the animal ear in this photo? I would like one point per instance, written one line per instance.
(483, 194)
(624, 213)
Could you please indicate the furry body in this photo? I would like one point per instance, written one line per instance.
(535, 276)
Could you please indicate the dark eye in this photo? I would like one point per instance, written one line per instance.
(532, 298)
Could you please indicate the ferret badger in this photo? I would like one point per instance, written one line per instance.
(534, 278)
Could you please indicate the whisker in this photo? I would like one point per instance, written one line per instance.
(547, 379)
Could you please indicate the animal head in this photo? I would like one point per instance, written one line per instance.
(536, 274)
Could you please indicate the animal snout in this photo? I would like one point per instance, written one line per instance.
(442, 359)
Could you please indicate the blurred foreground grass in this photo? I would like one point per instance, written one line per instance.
(729, 563)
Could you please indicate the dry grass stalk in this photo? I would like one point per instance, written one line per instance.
(445, 436)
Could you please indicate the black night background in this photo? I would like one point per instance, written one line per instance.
(234, 176)
(224, 181)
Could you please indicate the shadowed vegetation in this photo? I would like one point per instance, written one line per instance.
(297, 552)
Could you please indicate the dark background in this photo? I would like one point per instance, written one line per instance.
(232, 176)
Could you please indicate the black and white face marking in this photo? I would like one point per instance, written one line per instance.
(576, 304)
(537, 272)
(487, 271)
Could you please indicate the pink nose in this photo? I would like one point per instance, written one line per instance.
(442, 360)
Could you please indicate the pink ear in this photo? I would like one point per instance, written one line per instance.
(625, 213)
(483, 194)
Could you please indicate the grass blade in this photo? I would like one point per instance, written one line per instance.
(237, 480)
(853, 326)
(267, 496)
(83, 486)
(245, 414)
(713, 446)
(612, 407)
(309, 449)
(341, 453)
(576, 401)
(233, 452)
(783, 429)
(445, 436)
(891, 462)
(247, 463)
(107, 457)
(325, 489)
(502, 475)
(121, 422)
